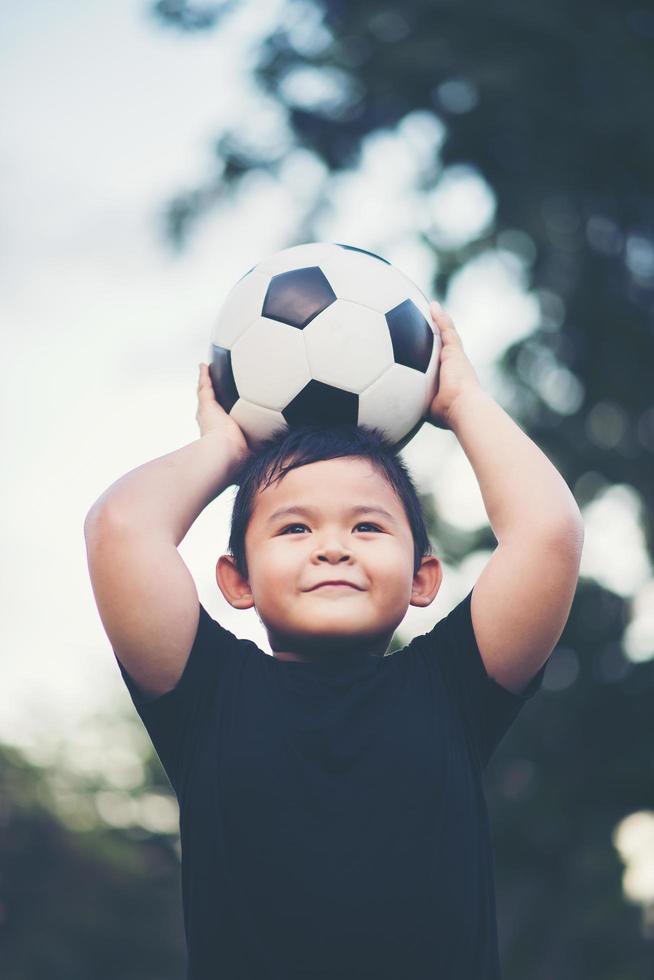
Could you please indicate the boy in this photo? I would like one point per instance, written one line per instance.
(332, 816)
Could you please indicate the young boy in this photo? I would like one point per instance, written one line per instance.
(332, 816)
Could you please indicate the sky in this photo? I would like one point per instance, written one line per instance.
(106, 115)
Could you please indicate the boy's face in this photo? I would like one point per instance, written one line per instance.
(322, 538)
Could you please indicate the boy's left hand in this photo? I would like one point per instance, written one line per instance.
(456, 375)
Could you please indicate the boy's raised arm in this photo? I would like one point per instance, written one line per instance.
(145, 594)
(523, 596)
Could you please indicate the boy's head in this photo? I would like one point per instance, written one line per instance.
(275, 561)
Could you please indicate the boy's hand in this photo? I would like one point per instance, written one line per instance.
(456, 375)
(211, 416)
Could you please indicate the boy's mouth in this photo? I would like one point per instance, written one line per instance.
(335, 583)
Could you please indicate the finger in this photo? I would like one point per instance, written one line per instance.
(445, 324)
(206, 395)
(435, 311)
(440, 315)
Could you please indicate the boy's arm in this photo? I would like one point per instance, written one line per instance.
(523, 596)
(145, 594)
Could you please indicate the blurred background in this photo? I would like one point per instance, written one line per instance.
(151, 153)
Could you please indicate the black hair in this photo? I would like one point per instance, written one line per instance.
(309, 443)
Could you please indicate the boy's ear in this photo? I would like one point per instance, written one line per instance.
(426, 581)
(231, 583)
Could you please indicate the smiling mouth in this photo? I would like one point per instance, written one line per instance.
(334, 585)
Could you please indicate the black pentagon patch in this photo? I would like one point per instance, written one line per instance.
(222, 377)
(296, 297)
(412, 337)
(321, 404)
(353, 248)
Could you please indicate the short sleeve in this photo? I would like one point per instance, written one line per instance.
(488, 709)
(176, 720)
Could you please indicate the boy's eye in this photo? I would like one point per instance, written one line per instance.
(360, 524)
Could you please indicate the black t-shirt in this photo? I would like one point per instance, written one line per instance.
(332, 817)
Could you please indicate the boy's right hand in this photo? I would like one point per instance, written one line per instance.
(211, 416)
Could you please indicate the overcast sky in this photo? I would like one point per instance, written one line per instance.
(105, 116)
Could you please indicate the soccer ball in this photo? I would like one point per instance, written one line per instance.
(325, 333)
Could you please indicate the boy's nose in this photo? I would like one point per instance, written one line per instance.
(333, 553)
